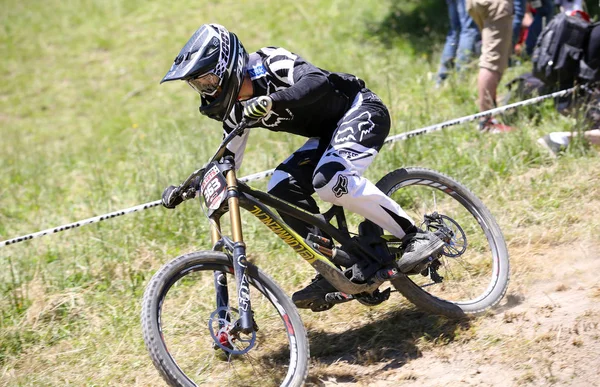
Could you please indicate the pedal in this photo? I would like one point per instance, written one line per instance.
(423, 266)
(314, 304)
(338, 297)
(376, 298)
(321, 307)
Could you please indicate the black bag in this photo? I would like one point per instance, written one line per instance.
(589, 70)
(560, 49)
(526, 86)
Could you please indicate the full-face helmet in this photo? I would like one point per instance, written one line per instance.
(213, 63)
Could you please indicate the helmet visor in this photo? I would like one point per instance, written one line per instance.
(206, 84)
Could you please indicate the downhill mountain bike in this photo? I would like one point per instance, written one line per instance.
(199, 329)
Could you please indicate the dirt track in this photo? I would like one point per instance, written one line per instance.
(545, 332)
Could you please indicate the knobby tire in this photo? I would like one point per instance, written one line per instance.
(494, 253)
(283, 320)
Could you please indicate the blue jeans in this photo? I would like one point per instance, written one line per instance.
(545, 11)
(461, 39)
(519, 7)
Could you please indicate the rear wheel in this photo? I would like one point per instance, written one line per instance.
(189, 336)
(473, 272)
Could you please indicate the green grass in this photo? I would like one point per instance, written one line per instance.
(86, 129)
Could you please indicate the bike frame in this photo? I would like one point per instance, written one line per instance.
(258, 203)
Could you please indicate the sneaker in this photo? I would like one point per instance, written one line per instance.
(492, 125)
(419, 248)
(552, 146)
(315, 291)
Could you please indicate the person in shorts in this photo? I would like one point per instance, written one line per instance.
(494, 18)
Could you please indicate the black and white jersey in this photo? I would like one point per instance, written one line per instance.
(307, 101)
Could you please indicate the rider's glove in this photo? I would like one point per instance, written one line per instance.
(257, 108)
(171, 197)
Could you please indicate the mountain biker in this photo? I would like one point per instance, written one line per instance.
(345, 123)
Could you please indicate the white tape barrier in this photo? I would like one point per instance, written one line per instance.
(70, 226)
(473, 117)
(110, 215)
(261, 175)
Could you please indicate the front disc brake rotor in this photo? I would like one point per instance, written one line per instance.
(221, 324)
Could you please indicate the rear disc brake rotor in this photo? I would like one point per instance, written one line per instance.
(456, 240)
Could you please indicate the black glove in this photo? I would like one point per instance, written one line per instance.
(257, 108)
(171, 197)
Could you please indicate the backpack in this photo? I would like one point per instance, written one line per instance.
(525, 86)
(560, 49)
(589, 70)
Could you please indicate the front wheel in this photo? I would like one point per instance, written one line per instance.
(472, 274)
(188, 323)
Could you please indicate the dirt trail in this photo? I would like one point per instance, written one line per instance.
(545, 332)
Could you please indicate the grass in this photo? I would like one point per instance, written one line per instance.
(86, 129)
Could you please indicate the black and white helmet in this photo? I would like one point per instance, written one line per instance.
(213, 63)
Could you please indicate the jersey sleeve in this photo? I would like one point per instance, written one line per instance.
(237, 146)
(299, 82)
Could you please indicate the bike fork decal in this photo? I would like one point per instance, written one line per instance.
(240, 265)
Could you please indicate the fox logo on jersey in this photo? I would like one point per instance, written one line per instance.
(274, 119)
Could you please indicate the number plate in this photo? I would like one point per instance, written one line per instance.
(213, 187)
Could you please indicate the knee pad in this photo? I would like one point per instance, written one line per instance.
(331, 182)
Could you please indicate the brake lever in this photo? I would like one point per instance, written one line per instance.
(189, 194)
(198, 173)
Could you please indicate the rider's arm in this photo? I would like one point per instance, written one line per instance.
(237, 146)
(303, 82)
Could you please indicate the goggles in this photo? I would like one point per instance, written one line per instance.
(207, 84)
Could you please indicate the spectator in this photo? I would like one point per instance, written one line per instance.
(543, 12)
(460, 41)
(520, 8)
(519, 48)
(494, 18)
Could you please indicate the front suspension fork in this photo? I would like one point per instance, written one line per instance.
(240, 263)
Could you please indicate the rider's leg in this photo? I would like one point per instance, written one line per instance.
(338, 177)
(338, 180)
(292, 182)
(355, 143)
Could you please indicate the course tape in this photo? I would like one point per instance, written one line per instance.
(263, 174)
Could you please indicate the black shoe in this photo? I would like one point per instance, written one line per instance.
(419, 248)
(314, 293)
